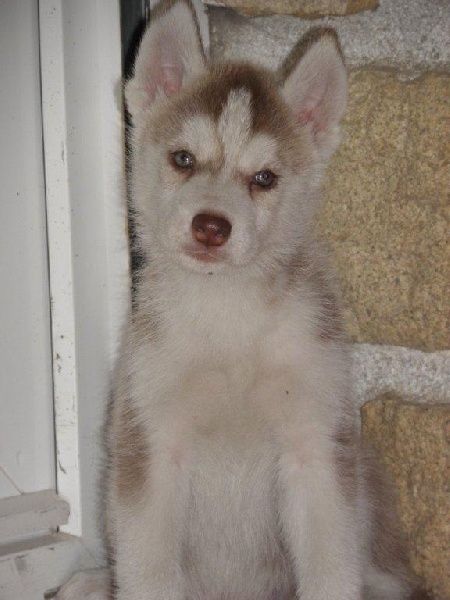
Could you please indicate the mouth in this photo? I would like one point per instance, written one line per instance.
(207, 254)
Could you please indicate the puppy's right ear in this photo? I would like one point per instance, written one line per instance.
(170, 55)
(315, 87)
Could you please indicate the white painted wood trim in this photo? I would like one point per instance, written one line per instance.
(32, 569)
(59, 227)
(31, 513)
(87, 233)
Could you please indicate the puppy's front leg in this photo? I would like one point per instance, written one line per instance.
(319, 526)
(149, 532)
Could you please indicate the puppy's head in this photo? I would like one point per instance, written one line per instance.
(227, 158)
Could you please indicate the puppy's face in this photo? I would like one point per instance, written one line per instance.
(226, 157)
(219, 167)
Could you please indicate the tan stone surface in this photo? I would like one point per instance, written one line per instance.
(300, 8)
(388, 212)
(413, 441)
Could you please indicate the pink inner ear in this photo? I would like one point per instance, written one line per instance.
(164, 71)
(305, 115)
(171, 79)
(171, 65)
(310, 108)
(312, 115)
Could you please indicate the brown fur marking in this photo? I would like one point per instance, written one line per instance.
(131, 454)
(270, 115)
(420, 595)
(346, 449)
(330, 328)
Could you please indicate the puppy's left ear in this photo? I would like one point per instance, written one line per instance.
(315, 87)
(171, 55)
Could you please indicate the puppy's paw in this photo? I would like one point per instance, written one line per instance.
(86, 585)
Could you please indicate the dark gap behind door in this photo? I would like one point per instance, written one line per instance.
(134, 17)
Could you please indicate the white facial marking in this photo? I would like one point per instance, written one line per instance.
(235, 124)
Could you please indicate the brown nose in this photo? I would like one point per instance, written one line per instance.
(210, 230)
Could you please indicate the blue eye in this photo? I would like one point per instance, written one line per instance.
(264, 179)
(183, 159)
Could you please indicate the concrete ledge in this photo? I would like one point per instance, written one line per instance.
(421, 376)
(300, 8)
(408, 35)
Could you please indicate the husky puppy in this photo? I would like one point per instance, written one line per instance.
(236, 472)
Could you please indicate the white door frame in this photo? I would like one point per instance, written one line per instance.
(83, 135)
(27, 461)
(87, 230)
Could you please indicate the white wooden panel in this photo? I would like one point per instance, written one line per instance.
(87, 229)
(28, 514)
(7, 488)
(28, 570)
(26, 414)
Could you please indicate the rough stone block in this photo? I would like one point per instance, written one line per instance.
(413, 442)
(299, 8)
(387, 212)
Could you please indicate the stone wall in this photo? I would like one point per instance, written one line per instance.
(387, 211)
(386, 218)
